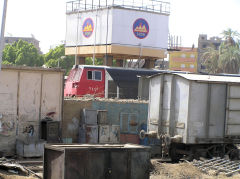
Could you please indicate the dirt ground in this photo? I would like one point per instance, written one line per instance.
(182, 171)
(159, 170)
(4, 175)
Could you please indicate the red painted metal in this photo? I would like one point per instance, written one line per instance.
(78, 84)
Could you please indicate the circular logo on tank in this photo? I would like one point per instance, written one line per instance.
(87, 27)
(140, 28)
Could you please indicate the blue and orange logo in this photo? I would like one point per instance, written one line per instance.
(87, 27)
(140, 28)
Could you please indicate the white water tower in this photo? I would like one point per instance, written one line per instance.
(118, 29)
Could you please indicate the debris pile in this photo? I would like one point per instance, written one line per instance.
(217, 166)
(11, 167)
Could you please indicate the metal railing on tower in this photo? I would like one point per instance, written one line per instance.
(144, 5)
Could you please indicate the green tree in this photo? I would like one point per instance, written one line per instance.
(22, 53)
(57, 57)
(98, 61)
(227, 58)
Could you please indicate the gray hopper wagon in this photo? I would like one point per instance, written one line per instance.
(195, 115)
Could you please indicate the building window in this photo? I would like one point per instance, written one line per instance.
(191, 66)
(182, 65)
(129, 123)
(183, 55)
(94, 75)
(192, 56)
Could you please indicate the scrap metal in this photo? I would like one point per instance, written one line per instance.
(218, 165)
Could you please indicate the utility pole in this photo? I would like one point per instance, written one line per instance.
(2, 31)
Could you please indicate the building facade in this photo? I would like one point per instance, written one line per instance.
(203, 44)
(184, 60)
(32, 40)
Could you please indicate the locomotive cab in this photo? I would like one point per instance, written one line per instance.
(85, 80)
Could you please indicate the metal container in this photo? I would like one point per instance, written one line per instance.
(50, 131)
(109, 134)
(89, 116)
(88, 134)
(198, 108)
(104, 134)
(102, 117)
(96, 161)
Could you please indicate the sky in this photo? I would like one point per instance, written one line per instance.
(46, 19)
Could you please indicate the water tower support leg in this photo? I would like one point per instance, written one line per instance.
(149, 63)
(80, 61)
(108, 60)
(119, 62)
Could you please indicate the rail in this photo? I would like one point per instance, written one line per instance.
(144, 5)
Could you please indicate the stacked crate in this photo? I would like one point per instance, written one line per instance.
(88, 131)
(107, 133)
(95, 128)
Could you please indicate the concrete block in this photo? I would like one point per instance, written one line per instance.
(30, 148)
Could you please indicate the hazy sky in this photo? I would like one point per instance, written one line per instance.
(45, 19)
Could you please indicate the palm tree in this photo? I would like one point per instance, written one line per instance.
(227, 58)
(210, 59)
(230, 36)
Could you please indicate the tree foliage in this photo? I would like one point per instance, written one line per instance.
(227, 58)
(57, 57)
(22, 53)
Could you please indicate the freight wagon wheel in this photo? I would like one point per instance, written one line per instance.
(232, 151)
(216, 151)
(222, 150)
(175, 157)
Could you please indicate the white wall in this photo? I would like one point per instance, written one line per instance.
(123, 21)
(115, 26)
(102, 37)
(8, 110)
(26, 96)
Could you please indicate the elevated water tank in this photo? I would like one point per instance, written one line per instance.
(125, 29)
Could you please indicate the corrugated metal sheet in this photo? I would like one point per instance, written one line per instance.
(198, 108)
(233, 111)
(211, 78)
(192, 109)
